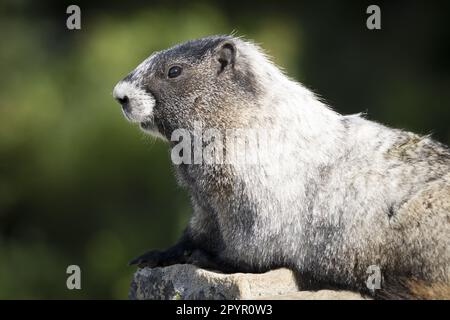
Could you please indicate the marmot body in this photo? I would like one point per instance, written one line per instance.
(344, 194)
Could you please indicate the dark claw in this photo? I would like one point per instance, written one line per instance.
(150, 259)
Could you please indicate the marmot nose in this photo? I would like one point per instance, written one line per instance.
(124, 101)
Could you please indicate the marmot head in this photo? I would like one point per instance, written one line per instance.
(210, 80)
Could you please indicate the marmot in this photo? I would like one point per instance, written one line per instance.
(344, 194)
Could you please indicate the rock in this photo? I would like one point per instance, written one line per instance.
(187, 282)
(317, 295)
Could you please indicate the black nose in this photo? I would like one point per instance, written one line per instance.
(124, 101)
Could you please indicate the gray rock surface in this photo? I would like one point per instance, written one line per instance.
(187, 282)
(317, 295)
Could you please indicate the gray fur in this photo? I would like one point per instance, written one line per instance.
(346, 193)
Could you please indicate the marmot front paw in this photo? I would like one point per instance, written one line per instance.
(154, 258)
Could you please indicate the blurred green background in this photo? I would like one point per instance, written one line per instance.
(80, 185)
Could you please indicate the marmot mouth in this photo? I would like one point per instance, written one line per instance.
(148, 126)
(151, 127)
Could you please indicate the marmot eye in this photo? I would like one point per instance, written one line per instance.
(174, 72)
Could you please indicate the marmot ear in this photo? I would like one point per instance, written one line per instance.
(226, 55)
